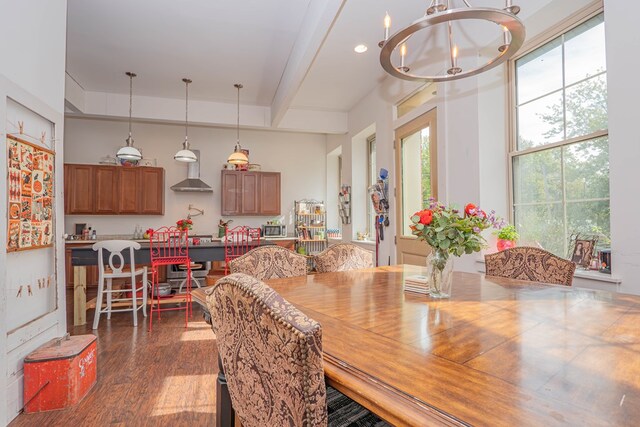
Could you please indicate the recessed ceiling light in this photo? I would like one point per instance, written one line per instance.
(361, 48)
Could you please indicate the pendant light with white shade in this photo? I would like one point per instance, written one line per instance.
(186, 155)
(238, 157)
(129, 152)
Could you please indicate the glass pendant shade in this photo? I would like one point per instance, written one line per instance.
(238, 157)
(129, 152)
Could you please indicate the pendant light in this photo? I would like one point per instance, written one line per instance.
(186, 155)
(129, 152)
(238, 157)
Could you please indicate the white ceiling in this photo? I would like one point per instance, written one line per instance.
(218, 43)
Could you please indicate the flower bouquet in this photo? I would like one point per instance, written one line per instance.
(450, 232)
(184, 224)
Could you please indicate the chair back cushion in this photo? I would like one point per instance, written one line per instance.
(271, 353)
(529, 263)
(115, 249)
(270, 262)
(343, 257)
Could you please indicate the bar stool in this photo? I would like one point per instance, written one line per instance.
(115, 249)
(238, 241)
(169, 246)
(183, 267)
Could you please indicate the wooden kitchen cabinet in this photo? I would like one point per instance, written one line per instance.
(151, 191)
(128, 185)
(106, 190)
(113, 190)
(270, 193)
(79, 189)
(250, 193)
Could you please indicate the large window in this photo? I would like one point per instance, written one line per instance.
(560, 156)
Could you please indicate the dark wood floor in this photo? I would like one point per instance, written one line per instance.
(163, 378)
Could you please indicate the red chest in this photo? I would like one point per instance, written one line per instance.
(60, 373)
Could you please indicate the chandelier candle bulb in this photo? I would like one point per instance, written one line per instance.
(387, 25)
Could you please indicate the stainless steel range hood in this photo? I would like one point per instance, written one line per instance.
(193, 182)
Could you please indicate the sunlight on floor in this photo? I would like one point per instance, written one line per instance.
(198, 332)
(186, 393)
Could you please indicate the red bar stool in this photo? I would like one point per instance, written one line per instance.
(169, 246)
(238, 241)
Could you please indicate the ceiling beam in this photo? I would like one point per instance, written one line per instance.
(317, 23)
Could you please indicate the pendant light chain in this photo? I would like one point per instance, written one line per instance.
(186, 110)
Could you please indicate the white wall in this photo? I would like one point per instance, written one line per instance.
(299, 157)
(32, 45)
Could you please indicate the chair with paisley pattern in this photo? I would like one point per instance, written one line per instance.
(272, 358)
(343, 257)
(532, 264)
(270, 262)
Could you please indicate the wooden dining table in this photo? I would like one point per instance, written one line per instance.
(499, 352)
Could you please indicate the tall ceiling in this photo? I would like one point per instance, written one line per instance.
(255, 42)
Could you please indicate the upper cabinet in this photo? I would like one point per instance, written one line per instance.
(112, 190)
(250, 193)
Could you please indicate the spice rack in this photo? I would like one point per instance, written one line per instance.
(311, 228)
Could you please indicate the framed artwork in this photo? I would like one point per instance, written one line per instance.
(582, 252)
(30, 195)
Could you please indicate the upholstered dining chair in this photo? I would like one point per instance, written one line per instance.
(343, 257)
(270, 262)
(529, 263)
(272, 357)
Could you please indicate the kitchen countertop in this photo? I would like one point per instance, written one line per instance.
(214, 239)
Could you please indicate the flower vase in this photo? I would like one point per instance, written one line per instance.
(439, 274)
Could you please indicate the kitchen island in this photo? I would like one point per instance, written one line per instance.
(84, 256)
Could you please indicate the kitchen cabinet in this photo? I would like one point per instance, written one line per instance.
(113, 190)
(106, 190)
(79, 189)
(151, 191)
(250, 193)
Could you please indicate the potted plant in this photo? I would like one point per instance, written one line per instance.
(507, 237)
(450, 232)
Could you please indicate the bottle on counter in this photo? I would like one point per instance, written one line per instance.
(94, 235)
(85, 233)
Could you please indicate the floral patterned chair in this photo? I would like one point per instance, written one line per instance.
(270, 262)
(343, 257)
(529, 263)
(272, 357)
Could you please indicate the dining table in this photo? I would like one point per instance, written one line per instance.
(498, 352)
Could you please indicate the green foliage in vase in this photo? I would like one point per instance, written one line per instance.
(451, 232)
(508, 232)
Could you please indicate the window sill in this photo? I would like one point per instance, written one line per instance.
(364, 242)
(593, 275)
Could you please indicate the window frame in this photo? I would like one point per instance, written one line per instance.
(512, 141)
(371, 141)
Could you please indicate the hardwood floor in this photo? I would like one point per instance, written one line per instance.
(163, 378)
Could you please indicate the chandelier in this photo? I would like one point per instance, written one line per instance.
(509, 28)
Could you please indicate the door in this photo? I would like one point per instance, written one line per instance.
(81, 189)
(416, 180)
(270, 193)
(152, 191)
(106, 187)
(128, 191)
(230, 193)
(250, 204)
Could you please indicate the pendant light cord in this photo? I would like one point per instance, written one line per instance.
(130, 99)
(186, 111)
(238, 86)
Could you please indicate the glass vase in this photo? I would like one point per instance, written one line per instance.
(439, 274)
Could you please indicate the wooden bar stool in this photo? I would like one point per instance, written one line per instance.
(115, 249)
(169, 246)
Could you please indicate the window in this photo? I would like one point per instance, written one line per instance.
(560, 156)
(372, 177)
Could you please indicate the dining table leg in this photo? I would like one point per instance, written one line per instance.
(79, 295)
(225, 416)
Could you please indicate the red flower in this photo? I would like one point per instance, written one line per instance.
(470, 209)
(426, 216)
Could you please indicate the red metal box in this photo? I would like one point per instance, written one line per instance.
(60, 373)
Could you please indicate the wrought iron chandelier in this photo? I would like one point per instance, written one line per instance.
(446, 13)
